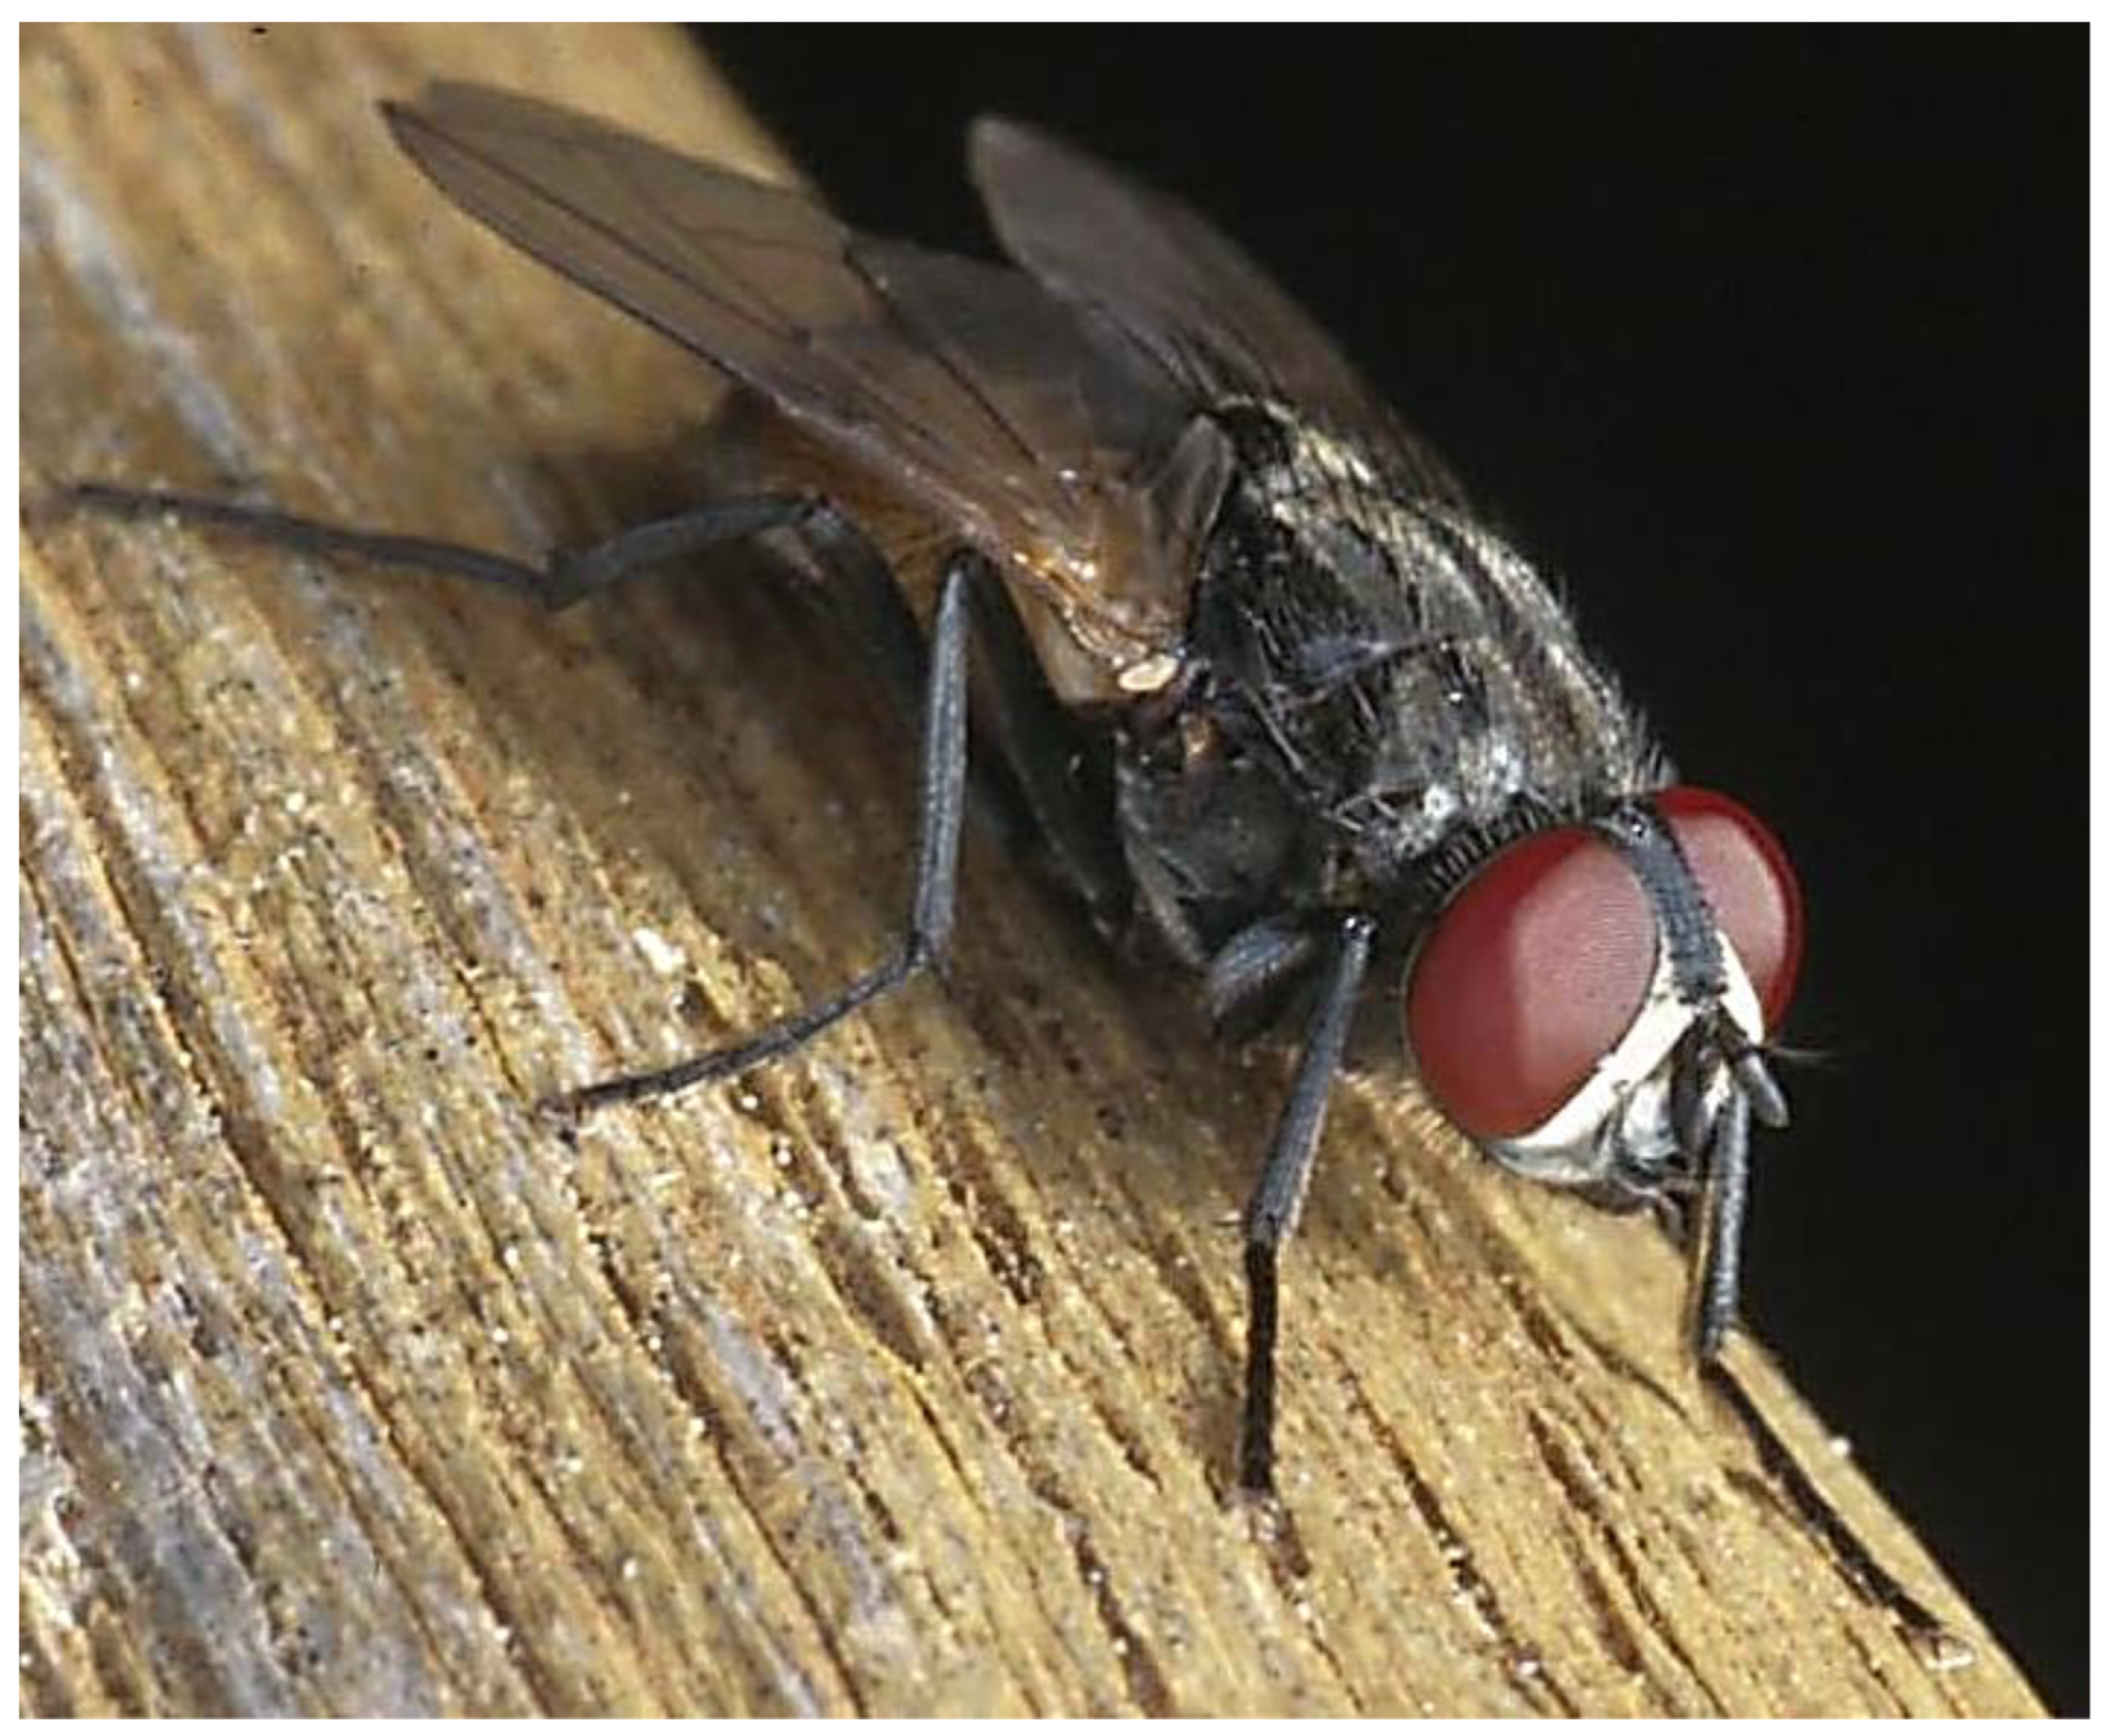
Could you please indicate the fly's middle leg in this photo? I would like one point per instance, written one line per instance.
(941, 807)
(858, 587)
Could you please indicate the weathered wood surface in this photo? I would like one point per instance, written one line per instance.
(901, 1378)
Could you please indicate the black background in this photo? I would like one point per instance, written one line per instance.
(1772, 344)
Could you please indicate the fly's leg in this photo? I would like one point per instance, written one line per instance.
(1276, 1202)
(1724, 1200)
(570, 574)
(1247, 979)
(860, 587)
(940, 808)
(857, 587)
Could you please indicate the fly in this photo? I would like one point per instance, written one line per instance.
(1275, 703)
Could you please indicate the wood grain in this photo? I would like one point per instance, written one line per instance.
(899, 1379)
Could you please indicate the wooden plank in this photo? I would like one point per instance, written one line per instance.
(899, 1379)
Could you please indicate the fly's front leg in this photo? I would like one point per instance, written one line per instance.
(1277, 1200)
(1724, 1197)
(940, 808)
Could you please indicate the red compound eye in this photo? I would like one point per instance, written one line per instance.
(1537, 968)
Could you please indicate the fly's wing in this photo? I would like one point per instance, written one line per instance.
(1182, 293)
(966, 386)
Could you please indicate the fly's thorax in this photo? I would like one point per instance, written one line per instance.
(1406, 675)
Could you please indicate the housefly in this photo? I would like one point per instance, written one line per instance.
(1274, 703)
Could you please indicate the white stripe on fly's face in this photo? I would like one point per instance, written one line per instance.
(1621, 1111)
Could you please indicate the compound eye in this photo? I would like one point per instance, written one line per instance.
(1528, 980)
(1539, 966)
(1748, 881)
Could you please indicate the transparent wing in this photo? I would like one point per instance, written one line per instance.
(965, 386)
(1185, 295)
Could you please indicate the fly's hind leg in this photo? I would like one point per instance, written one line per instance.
(856, 586)
(859, 586)
(568, 576)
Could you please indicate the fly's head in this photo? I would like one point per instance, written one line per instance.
(1593, 1005)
